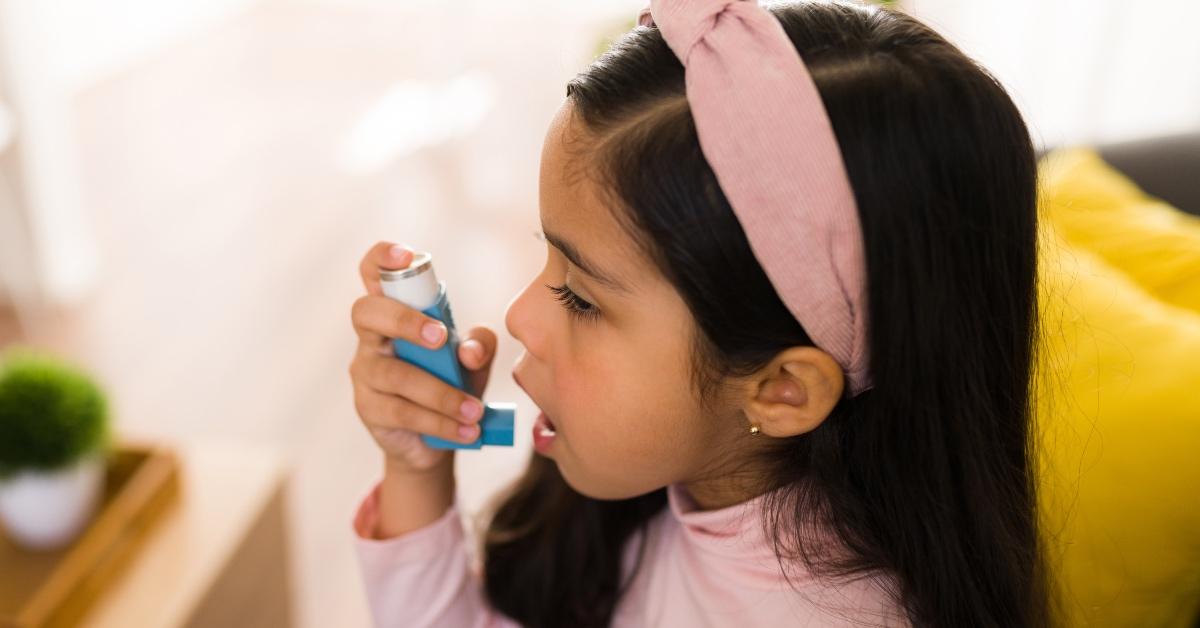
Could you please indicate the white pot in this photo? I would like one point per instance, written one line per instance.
(47, 509)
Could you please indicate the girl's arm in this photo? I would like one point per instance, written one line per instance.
(412, 554)
(411, 499)
(410, 538)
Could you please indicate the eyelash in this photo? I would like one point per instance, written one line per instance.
(574, 305)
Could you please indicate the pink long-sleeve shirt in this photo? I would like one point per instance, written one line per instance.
(700, 568)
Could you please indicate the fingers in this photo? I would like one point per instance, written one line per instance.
(375, 316)
(389, 375)
(392, 394)
(476, 354)
(379, 410)
(382, 254)
(477, 348)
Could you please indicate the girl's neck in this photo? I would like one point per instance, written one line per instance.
(722, 492)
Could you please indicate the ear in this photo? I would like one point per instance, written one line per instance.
(794, 393)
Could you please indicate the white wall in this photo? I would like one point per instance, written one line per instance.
(1081, 71)
(1084, 70)
(84, 41)
(49, 52)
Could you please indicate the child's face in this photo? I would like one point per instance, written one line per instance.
(616, 387)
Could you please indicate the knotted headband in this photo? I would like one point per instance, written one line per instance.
(765, 133)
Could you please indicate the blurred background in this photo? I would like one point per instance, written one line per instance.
(186, 187)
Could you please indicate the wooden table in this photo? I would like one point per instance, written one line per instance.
(219, 556)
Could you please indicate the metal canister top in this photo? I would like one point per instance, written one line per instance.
(422, 262)
(416, 286)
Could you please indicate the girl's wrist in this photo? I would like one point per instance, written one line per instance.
(400, 466)
(410, 499)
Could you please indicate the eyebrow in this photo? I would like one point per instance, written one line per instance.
(576, 258)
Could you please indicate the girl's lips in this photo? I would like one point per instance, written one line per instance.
(544, 431)
(543, 434)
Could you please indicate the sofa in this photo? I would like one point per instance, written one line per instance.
(1118, 384)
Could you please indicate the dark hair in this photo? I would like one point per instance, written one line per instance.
(927, 477)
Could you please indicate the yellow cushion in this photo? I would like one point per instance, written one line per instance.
(1119, 414)
(1095, 206)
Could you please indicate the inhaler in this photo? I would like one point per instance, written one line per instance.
(418, 287)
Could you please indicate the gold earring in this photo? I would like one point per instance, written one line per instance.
(753, 429)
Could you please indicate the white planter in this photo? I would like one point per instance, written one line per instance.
(47, 509)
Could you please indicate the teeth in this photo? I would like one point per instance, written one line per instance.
(545, 428)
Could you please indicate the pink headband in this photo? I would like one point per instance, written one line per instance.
(764, 131)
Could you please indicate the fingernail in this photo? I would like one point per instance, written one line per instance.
(432, 332)
(397, 250)
(475, 349)
(467, 431)
(470, 409)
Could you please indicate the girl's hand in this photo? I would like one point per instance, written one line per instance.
(396, 400)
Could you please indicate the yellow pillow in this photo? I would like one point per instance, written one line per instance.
(1119, 415)
(1095, 206)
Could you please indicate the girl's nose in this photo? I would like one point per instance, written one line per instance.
(520, 321)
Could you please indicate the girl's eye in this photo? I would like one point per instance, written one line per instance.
(574, 305)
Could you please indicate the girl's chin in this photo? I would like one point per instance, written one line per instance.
(591, 488)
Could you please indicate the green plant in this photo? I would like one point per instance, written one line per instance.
(51, 414)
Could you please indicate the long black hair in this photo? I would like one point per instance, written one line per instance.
(928, 476)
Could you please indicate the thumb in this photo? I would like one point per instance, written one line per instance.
(476, 350)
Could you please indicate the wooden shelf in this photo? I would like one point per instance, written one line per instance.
(56, 588)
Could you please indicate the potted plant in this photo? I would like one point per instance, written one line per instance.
(53, 441)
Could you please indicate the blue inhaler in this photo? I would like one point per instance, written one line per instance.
(418, 288)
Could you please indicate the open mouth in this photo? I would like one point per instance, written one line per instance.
(544, 430)
(544, 433)
(546, 425)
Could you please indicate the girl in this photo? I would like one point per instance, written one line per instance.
(725, 440)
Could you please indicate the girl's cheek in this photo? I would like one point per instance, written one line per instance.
(589, 367)
(570, 387)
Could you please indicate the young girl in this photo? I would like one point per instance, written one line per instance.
(727, 437)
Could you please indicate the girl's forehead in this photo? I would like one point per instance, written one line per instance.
(576, 218)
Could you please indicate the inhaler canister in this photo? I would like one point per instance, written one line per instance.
(418, 287)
